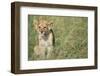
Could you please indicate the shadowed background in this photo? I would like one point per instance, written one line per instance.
(70, 37)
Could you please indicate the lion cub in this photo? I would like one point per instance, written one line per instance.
(46, 38)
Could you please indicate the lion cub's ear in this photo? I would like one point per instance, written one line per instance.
(35, 24)
(50, 24)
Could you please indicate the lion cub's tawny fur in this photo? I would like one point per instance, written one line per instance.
(45, 44)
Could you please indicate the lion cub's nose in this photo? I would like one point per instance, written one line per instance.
(41, 31)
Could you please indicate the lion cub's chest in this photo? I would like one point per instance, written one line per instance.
(45, 41)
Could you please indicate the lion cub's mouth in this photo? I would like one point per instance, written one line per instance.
(45, 33)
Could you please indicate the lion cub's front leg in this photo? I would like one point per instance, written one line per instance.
(39, 51)
(49, 52)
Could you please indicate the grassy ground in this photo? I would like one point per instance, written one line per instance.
(70, 37)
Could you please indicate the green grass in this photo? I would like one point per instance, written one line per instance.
(70, 37)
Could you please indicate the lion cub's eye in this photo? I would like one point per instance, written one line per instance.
(44, 27)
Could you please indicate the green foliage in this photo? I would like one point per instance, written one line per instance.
(70, 36)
